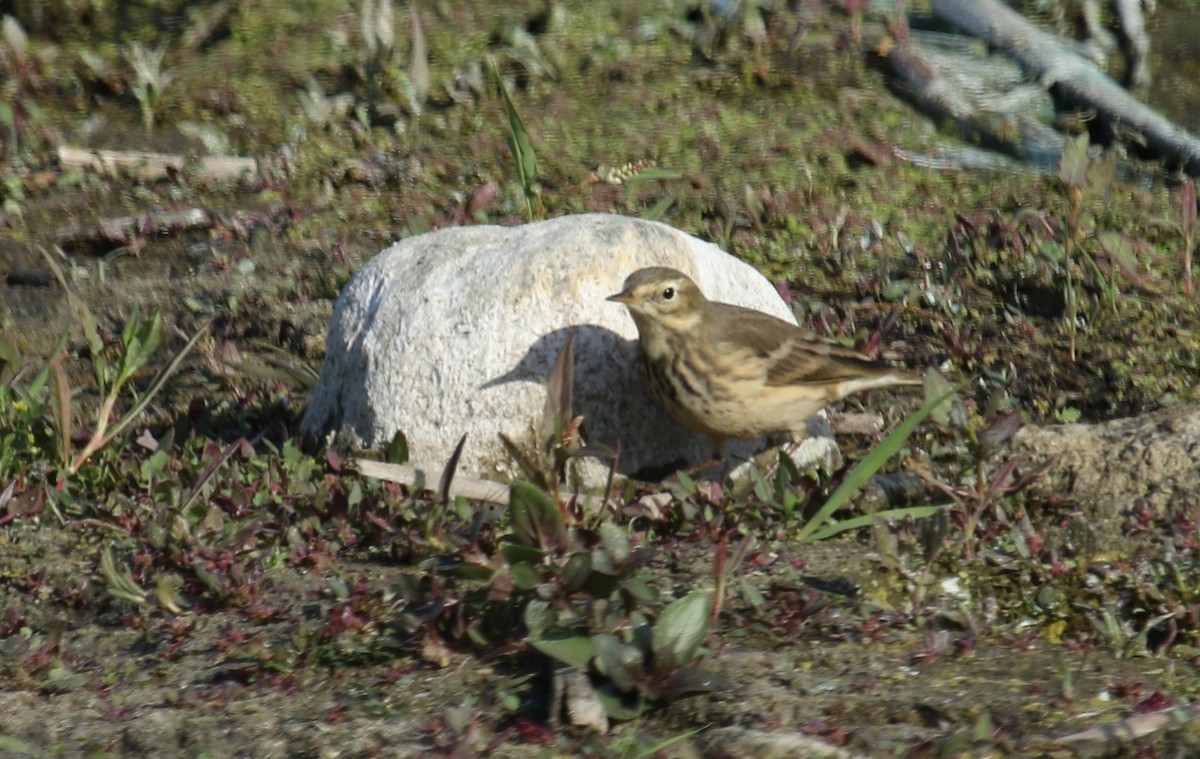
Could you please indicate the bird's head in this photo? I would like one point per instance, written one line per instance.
(662, 296)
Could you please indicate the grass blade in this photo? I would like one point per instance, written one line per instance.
(60, 401)
(871, 464)
(448, 472)
(519, 143)
(560, 389)
(916, 512)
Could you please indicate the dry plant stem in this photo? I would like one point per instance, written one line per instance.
(99, 438)
(1075, 199)
(720, 576)
(987, 489)
(61, 400)
(725, 563)
(152, 166)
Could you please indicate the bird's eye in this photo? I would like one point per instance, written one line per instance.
(669, 293)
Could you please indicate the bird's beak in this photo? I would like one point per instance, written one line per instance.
(622, 297)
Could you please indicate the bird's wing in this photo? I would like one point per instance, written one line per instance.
(790, 354)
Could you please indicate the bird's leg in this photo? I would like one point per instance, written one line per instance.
(718, 457)
(695, 469)
(726, 462)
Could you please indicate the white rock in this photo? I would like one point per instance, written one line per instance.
(455, 331)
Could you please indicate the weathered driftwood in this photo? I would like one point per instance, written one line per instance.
(987, 107)
(468, 487)
(152, 166)
(1135, 40)
(125, 228)
(1106, 737)
(1073, 79)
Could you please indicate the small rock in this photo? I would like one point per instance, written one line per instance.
(1149, 460)
(455, 331)
(580, 700)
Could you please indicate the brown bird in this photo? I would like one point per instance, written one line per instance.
(732, 372)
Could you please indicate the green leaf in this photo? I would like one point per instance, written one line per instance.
(91, 332)
(566, 646)
(936, 385)
(139, 342)
(10, 358)
(1051, 251)
(600, 585)
(621, 663)
(536, 519)
(753, 595)
(616, 542)
(473, 572)
(11, 746)
(916, 512)
(516, 553)
(871, 464)
(529, 466)
(120, 582)
(1072, 170)
(131, 327)
(539, 616)
(525, 577)
(1102, 173)
(618, 706)
(680, 629)
(1118, 248)
(33, 392)
(984, 728)
(1068, 414)
(639, 590)
(762, 489)
(654, 173)
(577, 571)
(398, 450)
(653, 750)
(660, 208)
(519, 143)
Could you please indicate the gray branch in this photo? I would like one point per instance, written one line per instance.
(1075, 80)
